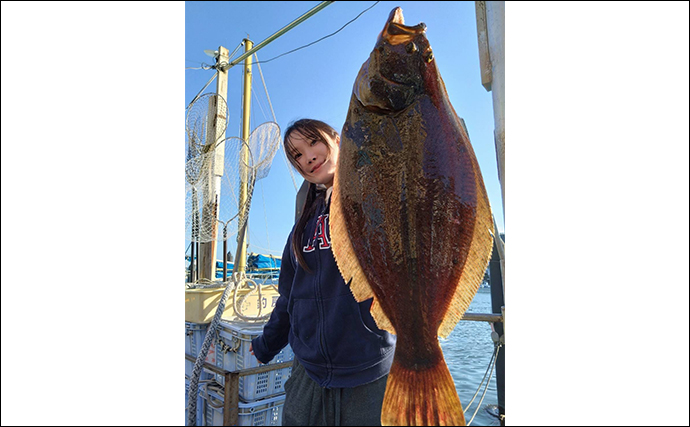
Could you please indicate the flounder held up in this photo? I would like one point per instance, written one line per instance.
(410, 219)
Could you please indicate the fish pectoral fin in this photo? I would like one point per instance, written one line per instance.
(382, 321)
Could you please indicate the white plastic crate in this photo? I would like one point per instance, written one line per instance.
(265, 412)
(232, 353)
(194, 339)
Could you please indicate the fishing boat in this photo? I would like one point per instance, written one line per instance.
(228, 299)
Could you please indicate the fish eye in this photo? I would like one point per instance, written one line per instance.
(411, 47)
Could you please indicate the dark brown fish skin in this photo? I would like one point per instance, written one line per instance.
(411, 164)
(406, 190)
(435, 212)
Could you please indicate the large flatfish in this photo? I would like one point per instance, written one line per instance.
(411, 224)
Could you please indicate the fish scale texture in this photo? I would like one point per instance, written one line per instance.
(411, 224)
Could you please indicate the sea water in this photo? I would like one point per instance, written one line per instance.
(468, 350)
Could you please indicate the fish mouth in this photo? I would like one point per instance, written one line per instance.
(397, 32)
(396, 16)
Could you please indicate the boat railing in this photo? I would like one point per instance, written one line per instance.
(231, 398)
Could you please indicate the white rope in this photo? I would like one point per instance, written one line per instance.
(211, 400)
(238, 309)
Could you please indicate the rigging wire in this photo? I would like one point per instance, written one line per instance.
(214, 74)
(492, 363)
(322, 38)
(263, 200)
(268, 240)
(289, 167)
(203, 88)
(488, 369)
(230, 55)
(258, 101)
(261, 74)
(204, 66)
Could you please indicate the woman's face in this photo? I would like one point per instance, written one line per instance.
(316, 164)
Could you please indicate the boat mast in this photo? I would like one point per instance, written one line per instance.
(241, 252)
(216, 129)
(249, 49)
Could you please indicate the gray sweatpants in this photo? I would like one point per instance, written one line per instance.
(307, 404)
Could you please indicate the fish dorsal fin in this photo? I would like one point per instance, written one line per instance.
(477, 260)
(348, 263)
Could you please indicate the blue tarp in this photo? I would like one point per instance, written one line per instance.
(260, 261)
(255, 262)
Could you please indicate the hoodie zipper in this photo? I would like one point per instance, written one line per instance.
(322, 319)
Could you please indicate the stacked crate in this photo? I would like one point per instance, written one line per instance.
(261, 396)
(263, 412)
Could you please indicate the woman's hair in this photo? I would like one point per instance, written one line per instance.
(311, 129)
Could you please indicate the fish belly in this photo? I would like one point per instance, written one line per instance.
(407, 194)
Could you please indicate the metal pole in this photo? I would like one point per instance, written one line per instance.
(231, 399)
(248, 52)
(497, 304)
(483, 317)
(225, 251)
(192, 271)
(241, 257)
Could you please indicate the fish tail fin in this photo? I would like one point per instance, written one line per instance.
(421, 398)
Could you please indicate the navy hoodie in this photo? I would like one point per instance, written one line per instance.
(334, 337)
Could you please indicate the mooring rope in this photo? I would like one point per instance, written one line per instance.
(193, 392)
(492, 363)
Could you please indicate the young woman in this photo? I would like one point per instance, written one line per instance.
(342, 359)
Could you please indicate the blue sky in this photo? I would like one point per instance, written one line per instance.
(316, 81)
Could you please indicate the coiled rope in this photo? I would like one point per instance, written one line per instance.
(236, 301)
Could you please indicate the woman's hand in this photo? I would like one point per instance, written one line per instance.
(251, 351)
